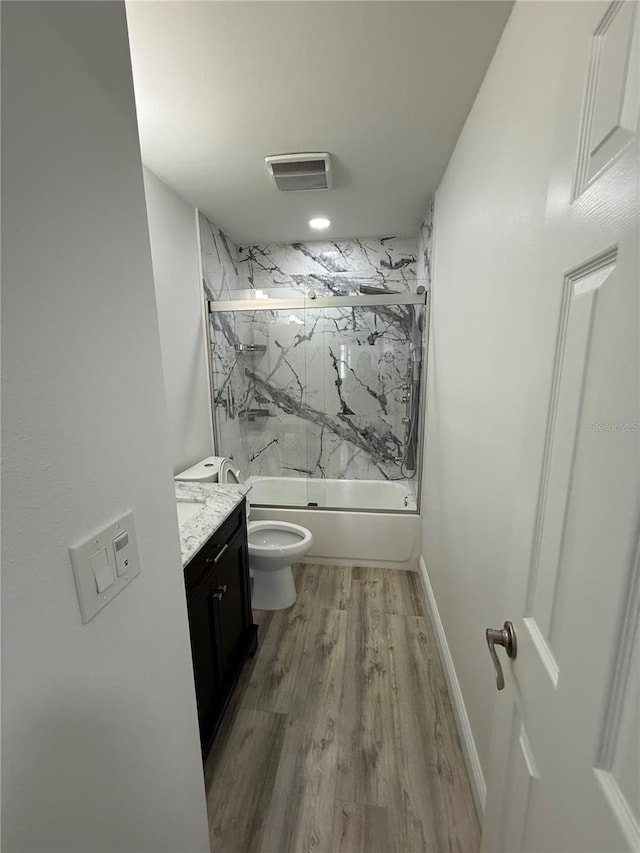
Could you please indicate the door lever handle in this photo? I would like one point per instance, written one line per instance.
(505, 636)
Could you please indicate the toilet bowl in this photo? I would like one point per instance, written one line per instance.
(273, 545)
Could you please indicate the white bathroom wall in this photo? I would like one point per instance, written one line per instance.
(100, 748)
(176, 272)
(489, 210)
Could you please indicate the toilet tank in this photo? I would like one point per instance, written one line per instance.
(208, 471)
(205, 471)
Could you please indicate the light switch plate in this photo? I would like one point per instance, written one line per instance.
(92, 601)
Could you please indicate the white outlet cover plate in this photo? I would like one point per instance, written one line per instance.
(91, 601)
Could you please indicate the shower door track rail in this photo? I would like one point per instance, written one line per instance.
(306, 302)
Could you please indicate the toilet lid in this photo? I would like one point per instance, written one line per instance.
(230, 473)
(205, 471)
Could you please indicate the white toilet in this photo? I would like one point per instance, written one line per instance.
(273, 545)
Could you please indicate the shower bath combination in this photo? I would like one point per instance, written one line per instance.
(318, 396)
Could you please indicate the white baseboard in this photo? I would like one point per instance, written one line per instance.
(478, 784)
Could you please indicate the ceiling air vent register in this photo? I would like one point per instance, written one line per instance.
(293, 172)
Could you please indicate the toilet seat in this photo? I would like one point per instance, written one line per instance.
(277, 538)
(229, 472)
(273, 547)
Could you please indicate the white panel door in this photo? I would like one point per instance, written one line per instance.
(565, 759)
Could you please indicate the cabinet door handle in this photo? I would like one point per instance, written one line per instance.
(211, 561)
(218, 556)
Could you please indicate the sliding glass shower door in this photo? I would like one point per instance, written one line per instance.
(317, 398)
(258, 372)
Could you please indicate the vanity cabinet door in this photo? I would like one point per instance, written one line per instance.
(204, 650)
(220, 619)
(231, 591)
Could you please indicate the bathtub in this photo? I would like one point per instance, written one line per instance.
(368, 522)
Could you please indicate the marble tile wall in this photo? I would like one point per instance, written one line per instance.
(425, 247)
(320, 395)
(219, 261)
(339, 266)
(330, 266)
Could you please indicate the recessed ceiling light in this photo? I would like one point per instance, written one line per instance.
(320, 223)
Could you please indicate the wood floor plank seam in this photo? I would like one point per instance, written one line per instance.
(365, 758)
(361, 828)
(242, 772)
(430, 766)
(304, 792)
(274, 673)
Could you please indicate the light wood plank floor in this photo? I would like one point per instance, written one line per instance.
(340, 736)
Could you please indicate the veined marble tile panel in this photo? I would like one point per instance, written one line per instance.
(324, 398)
(382, 260)
(219, 261)
(425, 247)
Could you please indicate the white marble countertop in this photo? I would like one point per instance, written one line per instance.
(219, 502)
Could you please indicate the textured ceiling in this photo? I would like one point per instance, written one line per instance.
(385, 87)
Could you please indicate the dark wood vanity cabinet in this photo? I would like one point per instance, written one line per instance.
(220, 619)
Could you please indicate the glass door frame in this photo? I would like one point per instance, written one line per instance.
(311, 300)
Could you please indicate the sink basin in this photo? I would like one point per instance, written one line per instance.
(188, 509)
